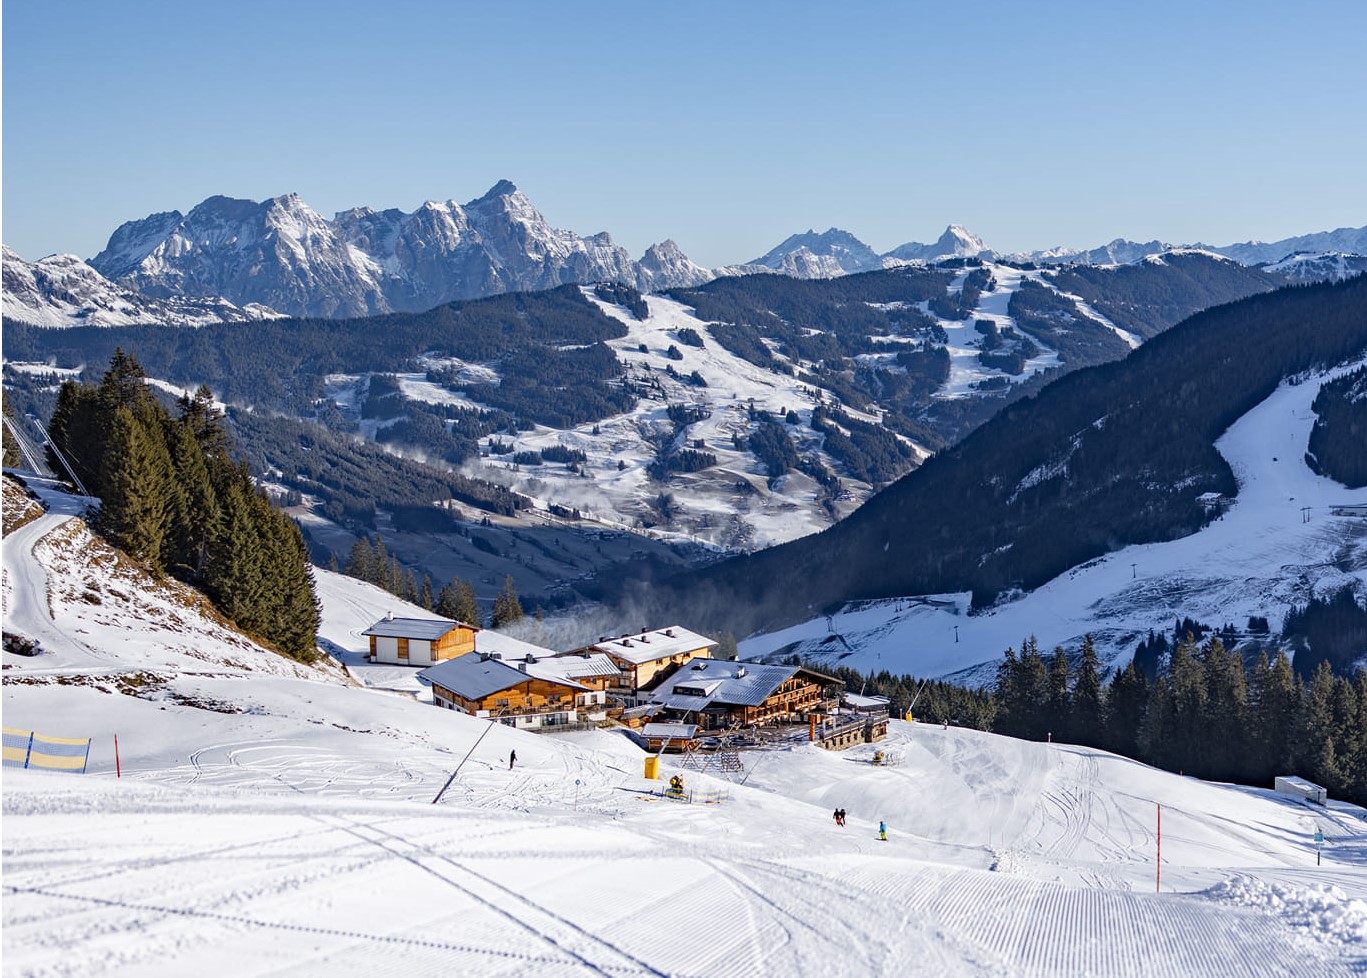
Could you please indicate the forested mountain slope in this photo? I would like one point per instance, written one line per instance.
(1104, 457)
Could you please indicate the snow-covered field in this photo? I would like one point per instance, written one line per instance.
(275, 820)
(1278, 544)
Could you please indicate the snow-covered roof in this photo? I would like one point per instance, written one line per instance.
(576, 666)
(474, 677)
(866, 702)
(721, 681)
(506, 647)
(425, 629)
(670, 731)
(647, 646)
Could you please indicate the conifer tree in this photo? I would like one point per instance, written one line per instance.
(1087, 698)
(137, 484)
(507, 606)
(1127, 701)
(1059, 719)
(1275, 709)
(361, 562)
(193, 507)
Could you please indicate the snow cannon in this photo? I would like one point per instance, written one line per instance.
(878, 757)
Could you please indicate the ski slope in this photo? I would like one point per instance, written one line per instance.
(1279, 543)
(272, 819)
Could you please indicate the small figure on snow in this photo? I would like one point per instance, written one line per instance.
(883, 831)
(840, 817)
(512, 759)
(836, 816)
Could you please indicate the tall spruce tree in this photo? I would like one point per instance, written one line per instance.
(137, 485)
(507, 605)
(1087, 698)
(1059, 721)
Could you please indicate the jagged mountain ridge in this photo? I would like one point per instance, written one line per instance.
(62, 290)
(282, 253)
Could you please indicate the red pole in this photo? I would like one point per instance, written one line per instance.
(118, 770)
(1160, 850)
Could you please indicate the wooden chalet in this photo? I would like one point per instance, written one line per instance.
(419, 641)
(719, 694)
(643, 659)
(483, 686)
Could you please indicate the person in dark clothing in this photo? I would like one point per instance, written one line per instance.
(512, 759)
(840, 818)
(836, 816)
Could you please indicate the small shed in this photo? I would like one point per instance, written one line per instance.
(1300, 788)
(672, 737)
(418, 641)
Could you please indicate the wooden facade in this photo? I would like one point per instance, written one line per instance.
(458, 640)
(531, 702)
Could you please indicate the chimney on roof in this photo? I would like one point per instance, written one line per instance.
(740, 672)
(531, 657)
(389, 616)
(669, 633)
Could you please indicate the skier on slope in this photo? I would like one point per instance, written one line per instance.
(883, 831)
(512, 759)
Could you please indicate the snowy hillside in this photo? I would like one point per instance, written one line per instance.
(62, 290)
(273, 820)
(733, 504)
(1276, 546)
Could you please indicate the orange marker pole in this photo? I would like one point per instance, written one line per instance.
(1160, 850)
(118, 769)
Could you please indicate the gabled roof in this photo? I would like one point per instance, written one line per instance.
(724, 682)
(647, 646)
(474, 677)
(573, 666)
(424, 629)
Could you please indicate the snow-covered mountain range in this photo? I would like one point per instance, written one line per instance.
(62, 290)
(281, 254)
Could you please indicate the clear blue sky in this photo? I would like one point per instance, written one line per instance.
(726, 126)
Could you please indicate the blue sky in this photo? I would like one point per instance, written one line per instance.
(726, 126)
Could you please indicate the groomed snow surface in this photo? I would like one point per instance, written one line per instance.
(274, 821)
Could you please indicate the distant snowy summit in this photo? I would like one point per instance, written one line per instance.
(1323, 256)
(282, 253)
(62, 290)
(835, 252)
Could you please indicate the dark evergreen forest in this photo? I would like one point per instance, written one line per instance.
(173, 497)
(1338, 442)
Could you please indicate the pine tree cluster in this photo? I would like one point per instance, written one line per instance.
(1206, 714)
(371, 561)
(173, 497)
